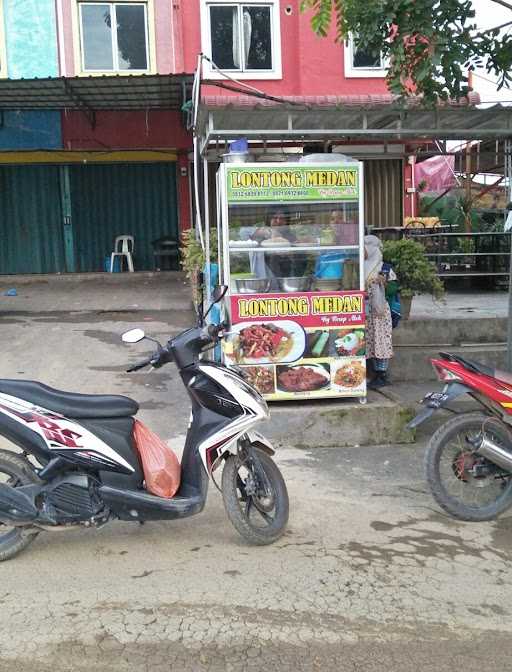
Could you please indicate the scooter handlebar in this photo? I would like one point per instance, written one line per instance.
(140, 365)
(157, 359)
(209, 335)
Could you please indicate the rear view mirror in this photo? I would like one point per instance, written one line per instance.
(133, 336)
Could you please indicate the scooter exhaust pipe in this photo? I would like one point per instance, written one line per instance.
(490, 450)
(16, 508)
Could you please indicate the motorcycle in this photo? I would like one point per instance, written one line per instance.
(81, 465)
(469, 458)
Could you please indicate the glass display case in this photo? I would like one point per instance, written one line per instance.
(291, 254)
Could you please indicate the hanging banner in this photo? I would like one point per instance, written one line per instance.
(298, 183)
(309, 344)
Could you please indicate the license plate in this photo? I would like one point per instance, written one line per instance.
(434, 399)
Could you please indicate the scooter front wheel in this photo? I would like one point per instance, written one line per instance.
(255, 497)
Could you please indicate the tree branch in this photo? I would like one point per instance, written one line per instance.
(489, 30)
(502, 2)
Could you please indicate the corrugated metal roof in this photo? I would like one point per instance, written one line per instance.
(116, 92)
(331, 118)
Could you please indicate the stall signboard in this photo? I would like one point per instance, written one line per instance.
(249, 184)
(300, 345)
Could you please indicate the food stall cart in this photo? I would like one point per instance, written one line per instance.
(291, 252)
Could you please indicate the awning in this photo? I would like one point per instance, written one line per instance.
(347, 118)
(116, 92)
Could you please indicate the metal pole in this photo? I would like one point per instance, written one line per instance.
(206, 219)
(508, 173)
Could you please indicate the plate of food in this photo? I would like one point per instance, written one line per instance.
(349, 374)
(303, 377)
(349, 343)
(265, 342)
(260, 377)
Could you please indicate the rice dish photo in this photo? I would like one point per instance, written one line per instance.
(350, 374)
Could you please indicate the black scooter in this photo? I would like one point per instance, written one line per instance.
(85, 468)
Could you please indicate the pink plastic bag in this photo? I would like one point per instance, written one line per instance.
(162, 470)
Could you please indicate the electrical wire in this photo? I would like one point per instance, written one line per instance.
(228, 76)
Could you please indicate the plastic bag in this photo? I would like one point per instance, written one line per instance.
(378, 301)
(162, 470)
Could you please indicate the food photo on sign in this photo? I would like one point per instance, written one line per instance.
(347, 342)
(260, 377)
(349, 375)
(317, 343)
(303, 377)
(265, 342)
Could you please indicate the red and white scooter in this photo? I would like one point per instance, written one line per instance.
(469, 458)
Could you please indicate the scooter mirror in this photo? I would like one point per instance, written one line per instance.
(133, 336)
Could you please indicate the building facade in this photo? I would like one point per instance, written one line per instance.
(72, 179)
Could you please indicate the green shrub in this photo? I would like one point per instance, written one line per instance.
(192, 254)
(416, 274)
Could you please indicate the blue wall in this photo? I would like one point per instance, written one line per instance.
(30, 130)
(31, 38)
(31, 44)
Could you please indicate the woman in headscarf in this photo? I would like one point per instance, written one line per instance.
(379, 345)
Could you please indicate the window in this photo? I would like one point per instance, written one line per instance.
(114, 36)
(242, 38)
(361, 63)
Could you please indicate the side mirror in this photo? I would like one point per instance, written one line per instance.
(219, 293)
(133, 336)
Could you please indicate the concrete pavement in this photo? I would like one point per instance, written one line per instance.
(370, 575)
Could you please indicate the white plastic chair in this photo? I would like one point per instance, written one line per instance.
(123, 247)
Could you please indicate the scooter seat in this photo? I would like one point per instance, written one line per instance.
(70, 404)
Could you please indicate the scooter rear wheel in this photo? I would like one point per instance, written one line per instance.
(463, 483)
(255, 497)
(15, 470)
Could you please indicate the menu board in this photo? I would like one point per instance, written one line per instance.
(293, 345)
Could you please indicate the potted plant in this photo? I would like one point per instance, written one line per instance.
(416, 274)
(193, 258)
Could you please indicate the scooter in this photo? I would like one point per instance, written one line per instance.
(80, 463)
(469, 458)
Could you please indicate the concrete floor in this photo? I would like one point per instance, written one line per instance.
(461, 304)
(369, 577)
(152, 291)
